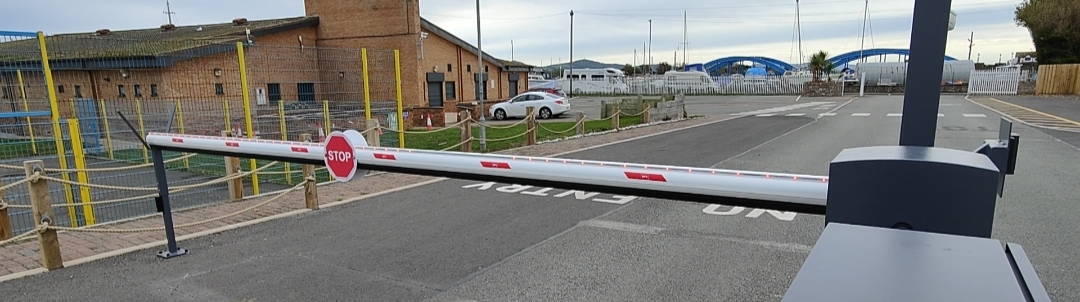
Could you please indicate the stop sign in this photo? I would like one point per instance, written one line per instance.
(339, 156)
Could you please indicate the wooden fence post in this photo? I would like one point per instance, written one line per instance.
(6, 232)
(645, 113)
(311, 195)
(466, 130)
(530, 124)
(232, 167)
(580, 123)
(615, 117)
(371, 127)
(43, 212)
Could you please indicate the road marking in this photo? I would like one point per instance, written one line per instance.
(796, 114)
(783, 108)
(621, 226)
(860, 114)
(543, 192)
(894, 114)
(974, 115)
(1027, 116)
(715, 209)
(826, 114)
(764, 115)
(940, 115)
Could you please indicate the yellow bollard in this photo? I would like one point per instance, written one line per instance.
(81, 175)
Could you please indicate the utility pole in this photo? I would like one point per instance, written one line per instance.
(480, 82)
(971, 43)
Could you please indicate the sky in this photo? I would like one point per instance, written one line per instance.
(538, 32)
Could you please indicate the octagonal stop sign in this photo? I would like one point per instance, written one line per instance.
(339, 156)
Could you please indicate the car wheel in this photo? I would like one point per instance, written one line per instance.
(545, 113)
(500, 114)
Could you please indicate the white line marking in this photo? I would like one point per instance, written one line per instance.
(974, 115)
(796, 114)
(895, 114)
(826, 114)
(940, 115)
(622, 226)
(764, 115)
(860, 114)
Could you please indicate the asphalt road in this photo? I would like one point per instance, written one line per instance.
(473, 241)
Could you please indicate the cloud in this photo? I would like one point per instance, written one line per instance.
(608, 31)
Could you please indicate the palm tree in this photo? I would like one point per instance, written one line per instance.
(820, 64)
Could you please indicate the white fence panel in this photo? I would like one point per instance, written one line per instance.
(736, 84)
(994, 82)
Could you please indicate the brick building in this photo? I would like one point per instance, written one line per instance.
(302, 60)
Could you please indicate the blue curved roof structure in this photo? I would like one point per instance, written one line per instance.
(768, 62)
(845, 58)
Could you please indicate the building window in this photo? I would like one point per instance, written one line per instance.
(153, 90)
(60, 89)
(449, 67)
(219, 89)
(451, 91)
(485, 69)
(468, 68)
(273, 93)
(78, 91)
(138, 90)
(120, 91)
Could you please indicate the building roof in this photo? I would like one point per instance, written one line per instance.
(162, 41)
(504, 64)
(158, 47)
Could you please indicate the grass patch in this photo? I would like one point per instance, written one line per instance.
(22, 147)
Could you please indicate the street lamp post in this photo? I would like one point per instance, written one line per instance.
(480, 82)
(571, 76)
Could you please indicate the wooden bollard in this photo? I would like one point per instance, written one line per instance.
(645, 114)
(615, 118)
(311, 195)
(6, 232)
(530, 124)
(232, 167)
(466, 130)
(371, 128)
(43, 212)
(581, 123)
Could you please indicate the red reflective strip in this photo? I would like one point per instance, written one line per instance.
(384, 156)
(646, 176)
(232, 144)
(497, 165)
(299, 149)
(177, 140)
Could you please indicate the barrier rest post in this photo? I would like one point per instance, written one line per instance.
(530, 126)
(6, 232)
(645, 113)
(158, 158)
(371, 127)
(615, 117)
(580, 123)
(466, 130)
(232, 167)
(311, 196)
(43, 214)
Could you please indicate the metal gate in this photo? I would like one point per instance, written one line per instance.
(1000, 81)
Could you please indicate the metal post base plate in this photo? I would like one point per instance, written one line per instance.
(166, 254)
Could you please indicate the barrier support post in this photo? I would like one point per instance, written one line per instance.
(400, 111)
(49, 244)
(166, 208)
(232, 165)
(371, 127)
(108, 134)
(580, 123)
(530, 126)
(26, 107)
(466, 130)
(6, 232)
(284, 137)
(81, 175)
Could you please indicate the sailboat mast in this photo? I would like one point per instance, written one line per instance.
(686, 46)
(862, 41)
(798, 30)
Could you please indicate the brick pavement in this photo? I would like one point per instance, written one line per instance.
(23, 256)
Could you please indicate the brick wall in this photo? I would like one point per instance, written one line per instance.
(821, 89)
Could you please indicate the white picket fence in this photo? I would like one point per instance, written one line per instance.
(737, 84)
(1003, 81)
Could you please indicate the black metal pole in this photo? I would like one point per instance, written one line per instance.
(166, 213)
(922, 94)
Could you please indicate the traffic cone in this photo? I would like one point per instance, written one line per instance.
(322, 134)
(428, 121)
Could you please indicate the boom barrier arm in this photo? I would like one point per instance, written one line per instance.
(773, 191)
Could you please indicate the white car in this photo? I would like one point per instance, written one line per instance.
(546, 106)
